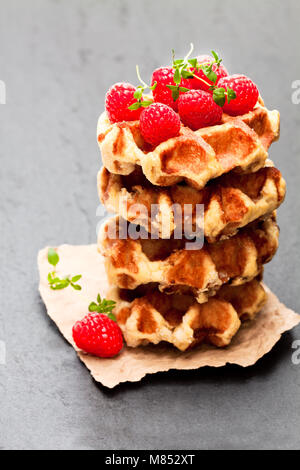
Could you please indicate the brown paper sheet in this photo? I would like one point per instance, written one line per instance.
(67, 306)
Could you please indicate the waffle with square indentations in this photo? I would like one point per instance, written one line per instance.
(178, 265)
(230, 202)
(146, 315)
(237, 143)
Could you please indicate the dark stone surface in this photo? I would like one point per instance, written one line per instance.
(57, 60)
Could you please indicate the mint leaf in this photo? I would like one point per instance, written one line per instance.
(186, 74)
(145, 104)
(53, 257)
(193, 62)
(215, 55)
(175, 91)
(93, 307)
(138, 94)
(103, 306)
(178, 61)
(217, 58)
(55, 283)
(60, 284)
(219, 96)
(177, 77)
(112, 317)
(175, 94)
(76, 286)
(231, 95)
(135, 105)
(210, 74)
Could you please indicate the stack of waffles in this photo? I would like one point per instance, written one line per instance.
(169, 286)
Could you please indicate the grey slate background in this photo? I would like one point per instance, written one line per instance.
(57, 59)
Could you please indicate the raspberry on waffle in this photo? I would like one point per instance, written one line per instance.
(239, 259)
(230, 201)
(146, 315)
(238, 143)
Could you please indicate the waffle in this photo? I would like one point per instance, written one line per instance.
(238, 143)
(237, 260)
(147, 315)
(230, 202)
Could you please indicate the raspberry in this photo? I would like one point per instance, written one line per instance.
(159, 122)
(246, 94)
(198, 109)
(164, 76)
(196, 84)
(117, 100)
(98, 335)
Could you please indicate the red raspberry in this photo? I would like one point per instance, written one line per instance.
(159, 122)
(117, 100)
(196, 84)
(246, 94)
(197, 109)
(165, 76)
(98, 335)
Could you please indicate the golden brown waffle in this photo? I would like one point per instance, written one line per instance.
(230, 202)
(238, 143)
(131, 263)
(147, 315)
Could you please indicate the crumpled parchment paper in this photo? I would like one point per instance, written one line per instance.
(66, 306)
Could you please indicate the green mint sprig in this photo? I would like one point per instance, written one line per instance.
(178, 66)
(57, 283)
(138, 94)
(181, 70)
(219, 95)
(103, 306)
(184, 68)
